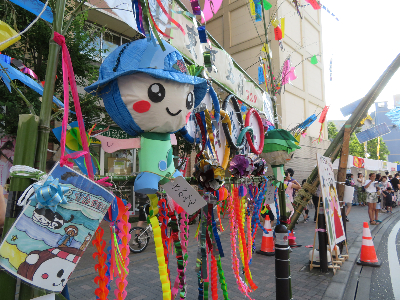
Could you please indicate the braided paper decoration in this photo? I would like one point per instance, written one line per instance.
(222, 279)
(243, 288)
(214, 279)
(124, 237)
(101, 280)
(162, 267)
(243, 239)
(215, 234)
(163, 219)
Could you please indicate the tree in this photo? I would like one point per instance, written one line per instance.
(332, 131)
(33, 51)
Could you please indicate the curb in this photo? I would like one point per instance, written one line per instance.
(344, 286)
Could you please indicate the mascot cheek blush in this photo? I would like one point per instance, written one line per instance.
(149, 93)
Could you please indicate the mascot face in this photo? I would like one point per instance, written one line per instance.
(156, 105)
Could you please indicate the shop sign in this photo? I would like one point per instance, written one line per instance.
(113, 132)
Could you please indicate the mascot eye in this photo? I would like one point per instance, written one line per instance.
(156, 92)
(60, 273)
(189, 101)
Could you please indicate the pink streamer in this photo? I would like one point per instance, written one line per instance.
(75, 155)
(103, 181)
(68, 73)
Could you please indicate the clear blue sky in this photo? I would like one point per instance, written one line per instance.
(362, 44)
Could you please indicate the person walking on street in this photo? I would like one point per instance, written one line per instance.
(396, 185)
(349, 182)
(383, 184)
(372, 199)
(360, 193)
(388, 195)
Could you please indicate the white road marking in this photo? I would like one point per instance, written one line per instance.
(393, 260)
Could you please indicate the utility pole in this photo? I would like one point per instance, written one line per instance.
(358, 114)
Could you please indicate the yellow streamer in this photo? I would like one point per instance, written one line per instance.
(162, 267)
(283, 27)
(7, 32)
(275, 23)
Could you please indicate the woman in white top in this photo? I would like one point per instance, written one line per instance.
(383, 185)
(360, 194)
(372, 199)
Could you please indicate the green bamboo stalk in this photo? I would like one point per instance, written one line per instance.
(48, 92)
(359, 113)
(24, 154)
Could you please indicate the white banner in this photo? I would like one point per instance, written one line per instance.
(224, 70)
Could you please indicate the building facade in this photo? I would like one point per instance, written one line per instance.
(392, 139)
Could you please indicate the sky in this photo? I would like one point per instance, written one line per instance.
(362, 45)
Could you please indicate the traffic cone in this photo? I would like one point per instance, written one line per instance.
(267, 243)
(368, 255)
(292, 240)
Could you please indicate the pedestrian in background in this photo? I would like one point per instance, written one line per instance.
(372, 199)
(383, 184)
(388, 195)
(360, 193)
(396, 185)
(349, 182)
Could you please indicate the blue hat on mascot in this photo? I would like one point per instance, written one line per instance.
(141, 56)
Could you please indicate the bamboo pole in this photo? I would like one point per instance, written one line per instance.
(358, 114)
(24, 154)
(48, 92)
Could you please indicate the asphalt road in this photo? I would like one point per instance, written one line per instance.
(385, 280)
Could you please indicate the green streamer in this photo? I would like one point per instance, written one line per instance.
(222, 278)
(207, 59)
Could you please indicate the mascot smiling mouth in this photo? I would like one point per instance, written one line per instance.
(173, 114)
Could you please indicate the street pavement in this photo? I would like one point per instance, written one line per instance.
(144, 283)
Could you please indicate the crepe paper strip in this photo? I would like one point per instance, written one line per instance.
(202, 34)
(267, 5)
(252, 8)
(35, 7)
(260, 75)
(103, 182)
(258, 9)
(195, 7)
(216, 236)
(314, 60)
(243, 288)
(214, 279)
(225, 120)
(278, 33)
(203, 250)
(249, 239)
(7, 32)
(169, 17)
(324, 112)
(222, 279)
(68, 75)
(155, 24)
(165, 282)
(184, 236)
(314, 4)
(283, 27)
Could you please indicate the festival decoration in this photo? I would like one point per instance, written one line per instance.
(74, 146)
(8, 73)
(241, 166)
(209, 175)
(24, 69)
(314, 60)
(7, 32)
(279, 146)
(258, 136)
(210, 9)
(35, 7)
(259, 164)
(394, 115)
(131, 70)
(47, 237)
(314, 4)
(288, 72)
(321, 120)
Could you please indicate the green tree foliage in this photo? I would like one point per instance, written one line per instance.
(357, 149)
(332, 131)
(33, 50)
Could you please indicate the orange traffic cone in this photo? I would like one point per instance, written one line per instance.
(368, 254)
(267, 243)
(292, 240)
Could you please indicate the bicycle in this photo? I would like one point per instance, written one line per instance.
(139, 241)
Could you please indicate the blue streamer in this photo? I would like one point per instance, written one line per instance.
(260, 75)
(216, 236)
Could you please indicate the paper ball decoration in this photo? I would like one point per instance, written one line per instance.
(209, 175)
(241, 166)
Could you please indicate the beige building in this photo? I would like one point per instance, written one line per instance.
(243, 38)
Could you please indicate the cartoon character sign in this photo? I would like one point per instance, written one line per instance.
(149, 92)
(44, 246)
